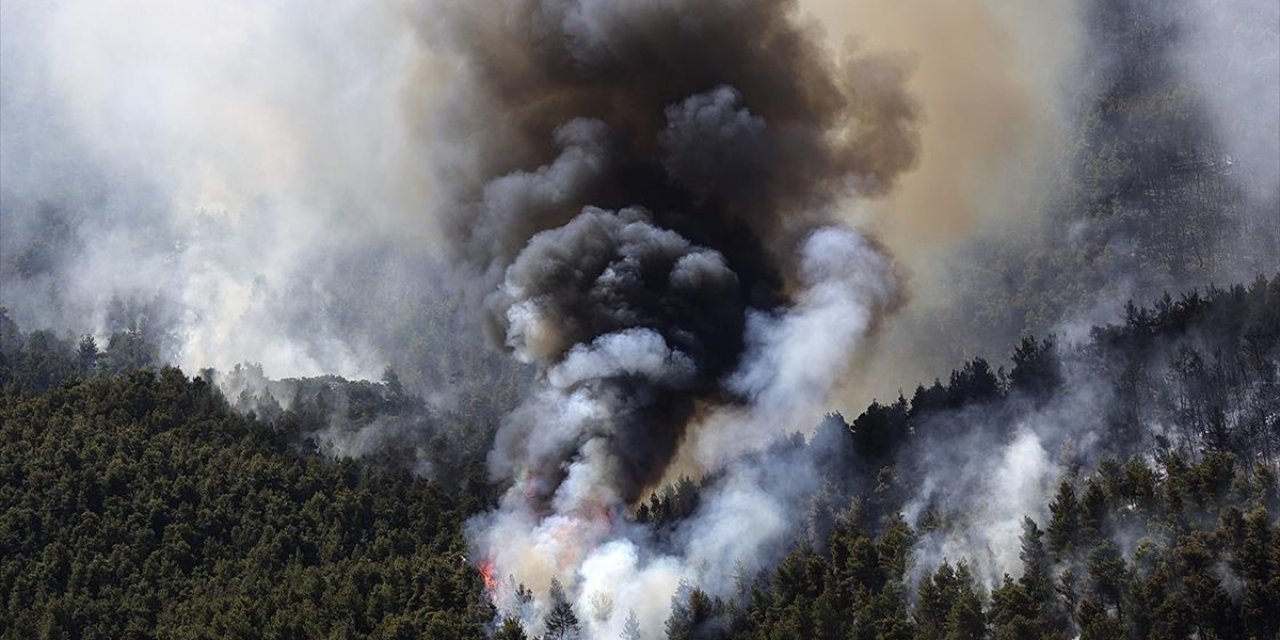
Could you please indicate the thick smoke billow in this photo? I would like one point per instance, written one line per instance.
(633, 320)
(646, 212)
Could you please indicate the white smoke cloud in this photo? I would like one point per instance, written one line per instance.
(201, 155)
(796, 358)
(747, 514)
(991, 504)
(632, 352)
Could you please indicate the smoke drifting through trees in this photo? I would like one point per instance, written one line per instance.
(638, 202)
(673, 261)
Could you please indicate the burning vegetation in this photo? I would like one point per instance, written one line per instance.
(614, 264)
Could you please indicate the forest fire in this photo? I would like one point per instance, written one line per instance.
(485, 567)
(673, 249)
(640, 320)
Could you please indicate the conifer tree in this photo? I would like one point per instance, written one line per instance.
(562, 623)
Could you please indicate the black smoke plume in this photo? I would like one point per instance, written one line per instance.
(642, 199)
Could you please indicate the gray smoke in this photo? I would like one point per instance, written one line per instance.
(197, 163)
(646, 212)
(1160, 174)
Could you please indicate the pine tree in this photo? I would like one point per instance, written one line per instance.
(87, 354)
(936, 597)
(1260, 607)
(690, 609)
(1093, 512)
(966, 621)
(1026, 609)
(631, 628)
(1107, 573)
(1035, 564)
(510, 630)
(562, 623)
(1064, 525)
(1095, 624)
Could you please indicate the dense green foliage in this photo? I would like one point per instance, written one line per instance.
(142, 506)
(1206, 564)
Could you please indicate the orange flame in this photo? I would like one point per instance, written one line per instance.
(485, 567)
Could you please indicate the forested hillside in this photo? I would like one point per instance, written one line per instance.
(613, 260)
(1206, 564)
(1162, 522)
(141, 504)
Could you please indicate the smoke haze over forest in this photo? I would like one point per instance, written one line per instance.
(617, 272)
(212, 145)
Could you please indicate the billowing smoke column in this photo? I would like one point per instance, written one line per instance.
(671, 265)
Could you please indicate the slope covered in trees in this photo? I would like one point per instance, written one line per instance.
(1161, 520)
(141, 504)
(1117, 481)
(1206, 565)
